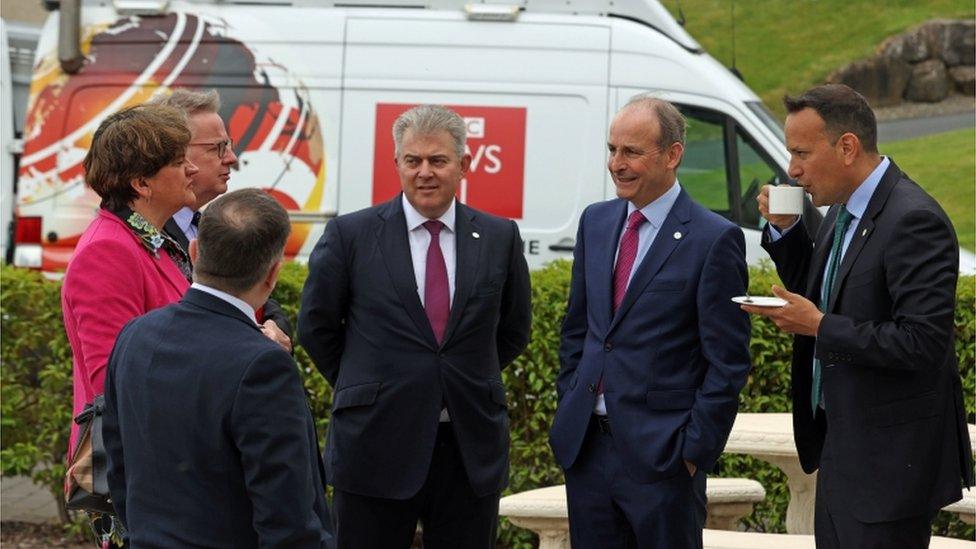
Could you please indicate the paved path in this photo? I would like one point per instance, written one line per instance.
(23, 501)
(897, 130)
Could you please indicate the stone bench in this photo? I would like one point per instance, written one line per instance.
(724, 539)
(544, 510)
(965, 508)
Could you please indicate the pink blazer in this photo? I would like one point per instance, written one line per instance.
(110, 280)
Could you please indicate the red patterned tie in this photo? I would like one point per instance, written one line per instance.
(626, 257)
(625, 263)
(437, 298)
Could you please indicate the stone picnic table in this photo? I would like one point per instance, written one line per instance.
(769, 437)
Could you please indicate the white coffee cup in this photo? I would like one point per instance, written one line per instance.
(786, 200)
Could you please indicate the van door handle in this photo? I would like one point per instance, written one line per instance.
(564, 245)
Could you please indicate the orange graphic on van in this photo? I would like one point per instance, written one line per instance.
(268, 112)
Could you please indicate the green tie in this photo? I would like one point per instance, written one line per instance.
(840, 229)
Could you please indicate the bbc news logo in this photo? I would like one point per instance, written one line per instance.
(496, 142)
(475, 126)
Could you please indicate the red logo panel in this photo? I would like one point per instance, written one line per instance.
(496, 143)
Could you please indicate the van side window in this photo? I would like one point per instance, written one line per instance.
(755, 170)
(723, 168)
(703, 169)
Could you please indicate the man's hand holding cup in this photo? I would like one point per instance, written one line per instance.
(781, 205)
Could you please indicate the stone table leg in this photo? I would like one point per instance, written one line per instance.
(803, 493)
(553, 532)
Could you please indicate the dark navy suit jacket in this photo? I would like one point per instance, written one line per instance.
(365, 328)
(210, 440)
(891, 386)
(675, 355)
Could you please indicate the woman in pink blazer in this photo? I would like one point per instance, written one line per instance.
(124, 264)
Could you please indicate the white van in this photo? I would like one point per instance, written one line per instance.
(310, 89)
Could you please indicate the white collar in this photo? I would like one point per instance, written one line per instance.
(415, 219)
(233, 300)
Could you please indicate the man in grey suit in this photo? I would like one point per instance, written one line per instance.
(411, 309)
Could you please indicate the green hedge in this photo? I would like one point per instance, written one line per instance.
(36, 387)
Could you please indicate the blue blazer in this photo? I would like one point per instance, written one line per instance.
(675, 355)
(210, 440)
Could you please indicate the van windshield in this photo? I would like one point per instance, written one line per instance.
(770, 121)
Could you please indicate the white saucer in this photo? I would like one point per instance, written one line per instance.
(759, 300)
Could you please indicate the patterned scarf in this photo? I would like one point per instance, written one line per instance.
(152, 239)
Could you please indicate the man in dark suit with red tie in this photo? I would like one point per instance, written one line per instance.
(877, 399)
(410, 311)
(654, 352)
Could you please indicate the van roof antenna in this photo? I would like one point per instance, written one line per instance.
(681, 14)
(734, 70)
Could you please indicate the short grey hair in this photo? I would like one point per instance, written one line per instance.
(669, 118)
(429, 119)
(190, 102)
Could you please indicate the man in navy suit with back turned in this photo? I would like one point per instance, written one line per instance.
(877, 398)
(410, 311)
(653, 352)
(209, 438)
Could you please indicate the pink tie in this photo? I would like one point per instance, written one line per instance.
(625, 263)
(437, 299)
(626, 257)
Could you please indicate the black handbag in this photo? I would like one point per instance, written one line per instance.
(86, 480)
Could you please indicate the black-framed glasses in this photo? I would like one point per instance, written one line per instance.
(221, 146)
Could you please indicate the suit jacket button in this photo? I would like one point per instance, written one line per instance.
(608, 347)
(591, 388)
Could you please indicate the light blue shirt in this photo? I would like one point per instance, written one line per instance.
(183, 219)
(856, 205)
(655, 213)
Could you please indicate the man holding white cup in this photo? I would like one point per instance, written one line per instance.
(877, 398)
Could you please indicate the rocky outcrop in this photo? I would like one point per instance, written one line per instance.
(925, 64)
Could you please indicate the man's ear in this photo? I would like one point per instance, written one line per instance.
(272, 279)
(465, 163)
(194, 251)
(675, 152)
(850, 147)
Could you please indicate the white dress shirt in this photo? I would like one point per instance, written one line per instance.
(233, 300)
(419, 238)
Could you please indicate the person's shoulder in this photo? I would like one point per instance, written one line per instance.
(367, 215)
(709, 220)
(908, 196)
(487, 221)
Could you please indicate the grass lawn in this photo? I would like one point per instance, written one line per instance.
(786, 46)
(945, 165)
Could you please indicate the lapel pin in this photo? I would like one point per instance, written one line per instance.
(677, 235)
(475, 235)
(864, 232)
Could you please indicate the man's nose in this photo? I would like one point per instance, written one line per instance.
(191, 168)
(425, 170)
(230, 157)
(794, 170)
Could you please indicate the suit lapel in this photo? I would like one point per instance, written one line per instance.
(664, 244)
(605, 256)
(466, 268)
(395, 248)
(821, 250)
(176, 233)
(865, 228)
